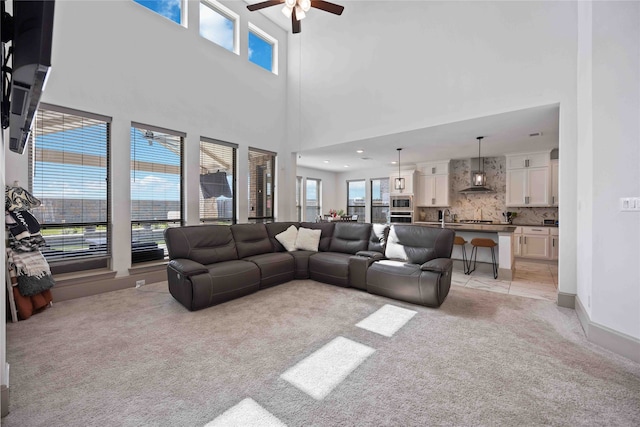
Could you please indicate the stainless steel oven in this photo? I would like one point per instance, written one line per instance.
(404, 203)
(401, 217)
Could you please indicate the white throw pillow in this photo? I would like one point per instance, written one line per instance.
(308, 239)
(288, 238)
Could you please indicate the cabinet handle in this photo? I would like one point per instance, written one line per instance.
(536, 229)
(553, 243)
(519, 240)
(526, 163)
(526, 200)
(553, 200)
(433, 201)
(433, 171)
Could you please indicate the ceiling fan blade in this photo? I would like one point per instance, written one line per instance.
(327, 6)
(295, 23)
(263, 4)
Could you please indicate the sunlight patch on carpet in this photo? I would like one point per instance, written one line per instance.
(387, 321)
(247, 413)
(323, 370)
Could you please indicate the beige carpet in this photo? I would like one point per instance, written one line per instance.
(138, 358)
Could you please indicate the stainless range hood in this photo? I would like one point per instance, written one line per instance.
(477, 176)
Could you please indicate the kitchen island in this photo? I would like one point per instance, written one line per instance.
(502, 234)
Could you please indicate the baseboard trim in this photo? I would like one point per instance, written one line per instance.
(566, 300)
(615, 341)
(4, 401)
(79, 288)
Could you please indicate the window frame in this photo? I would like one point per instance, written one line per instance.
(371, 205)
(269, 189)
(363, 208)
(184, 4)
(227, 13)
(73, 263)
(176, 222)
(299, 198)
(318, 199)
(234, 186)
(268, 39)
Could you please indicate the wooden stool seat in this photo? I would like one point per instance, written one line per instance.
(483, 243)
(479, 242)
(459, 240)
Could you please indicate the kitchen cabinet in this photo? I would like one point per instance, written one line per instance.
(528, 180)
(517, 241)
(409, 177)
(555, 243)
(535, 243)
(554, 182)
(433, 184)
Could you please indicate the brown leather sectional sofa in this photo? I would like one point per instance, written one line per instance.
(211, 264)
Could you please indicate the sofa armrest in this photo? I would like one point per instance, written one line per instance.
(187, 267)
(439, 265)
(370, 254)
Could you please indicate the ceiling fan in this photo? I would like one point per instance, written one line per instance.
(296, 9)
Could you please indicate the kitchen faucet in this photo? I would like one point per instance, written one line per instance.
(444, 215)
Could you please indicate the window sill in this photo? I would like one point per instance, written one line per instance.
(77, 277)
(144, 267)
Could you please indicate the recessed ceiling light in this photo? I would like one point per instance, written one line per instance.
(394, 162)
(325, 161)
(346, 166)
(359, 151)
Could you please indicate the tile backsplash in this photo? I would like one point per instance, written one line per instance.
(487, 206)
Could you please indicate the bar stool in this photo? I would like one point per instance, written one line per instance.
(460, 241)
(483, 243)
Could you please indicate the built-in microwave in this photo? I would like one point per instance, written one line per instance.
(401, 203)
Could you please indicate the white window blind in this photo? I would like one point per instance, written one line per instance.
(69, 174)
(380, 200)
(156, 190)
(217, 182)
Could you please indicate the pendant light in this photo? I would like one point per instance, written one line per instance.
(399, 181)
(478, 178)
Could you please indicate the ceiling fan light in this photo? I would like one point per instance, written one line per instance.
(300, 13)
(287, 11)
(305, 5)
(290, 3)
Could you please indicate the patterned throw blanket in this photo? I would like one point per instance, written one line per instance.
(32, 270)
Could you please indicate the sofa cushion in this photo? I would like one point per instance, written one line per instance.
(275, 268)
(251, 239)
(350, 238)
(301, 259)
(327, 232)
(404, 247)
(274, 228)
(206, 244)
(308, 239)
(330, 267)
(288, 238)
(378, 239)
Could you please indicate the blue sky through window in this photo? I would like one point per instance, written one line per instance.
(260, 51)
(216, 27)
(153, 185)
(168, 8)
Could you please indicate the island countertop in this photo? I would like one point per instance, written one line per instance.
(459, 226)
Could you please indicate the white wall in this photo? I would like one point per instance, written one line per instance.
(615, 302)
(119, 59)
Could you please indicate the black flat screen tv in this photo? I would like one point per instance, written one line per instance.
(31, 62)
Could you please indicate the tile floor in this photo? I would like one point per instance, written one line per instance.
(532, 279)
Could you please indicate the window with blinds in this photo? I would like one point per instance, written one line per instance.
(380, 200)
(313, 199)
(69, 174)
(217, 182)
(261, 187)
(355, 199)
(156, 189)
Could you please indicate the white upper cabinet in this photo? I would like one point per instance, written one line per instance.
(433, 184)
(528, 180)
(409, 178)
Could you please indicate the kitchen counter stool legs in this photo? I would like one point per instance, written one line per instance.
(483, 243)
(461, 242)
